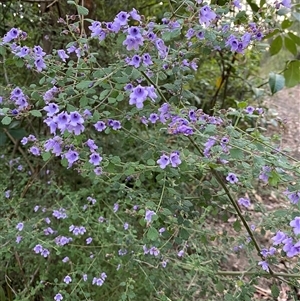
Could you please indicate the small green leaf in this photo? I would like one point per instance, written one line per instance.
(276, 45)
(220, 287)
(83, 84)
(274, 178)
(276, 82)
(46, 156)
(295, 38)
(82, 10)
(236, 153)
(36, 113)
(286, 24)
(292, 73)
(275, 291)
(6, 120)
(152, 234)
(237, 226)
(290, 45)
(150, 162)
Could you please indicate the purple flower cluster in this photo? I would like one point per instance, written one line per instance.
(62, 240)
(173, 159)
(100, 280)
(152, 251)
(139, 94)
(38, 249)
(77, 230)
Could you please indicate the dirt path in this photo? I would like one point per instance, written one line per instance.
(284, 109)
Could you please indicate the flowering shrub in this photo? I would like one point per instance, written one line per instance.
(115, 177)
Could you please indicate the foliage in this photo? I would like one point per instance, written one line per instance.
(117, 185)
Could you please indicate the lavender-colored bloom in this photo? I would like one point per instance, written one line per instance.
(133, 43)
(40, 64)
(116, 125)
(126, 226)
(38, 249)
(18, 239)
(38, 51)
(190, 33)
(60, 214)
(101, 219)
(147, 59)
(249, 110)
(138, 96)
(208, 145)
(36, 208)
(116, 207)
(95, 159)
(175, 159)
(294, 197)
(67, 279)
(45, 253)
(62, 54)
(232, 178)
(84, 277)
(180, 253)
(12, 34)
(200, 35)
(260, 110)
(58, 297)
(264, 265)
(100, 126)
(148, 215)
(163, 161)
(264, 175)
(153, 118)
(154, 251)
(66, 259)
(128, 87)
(51, 109)
(48, 231)
(161, 230)
(20, 226)
(237, 4)
(122, 18)
(135, 61)
(98, 171)
(35, 150)
(164, 263)
(88, 240)
(122, 252)
(244, 202)
(259, 36)
(75, 119)
(91, 144)
(23, 51)
(134, 15)
(145, 249)
(71, 156)
(286, 3)
(206, 15)
(295, 223)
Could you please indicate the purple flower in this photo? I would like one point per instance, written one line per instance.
(154, 251)
(286, 3)
(72, 157)
(116, 207)
(40, 64)
(133, 43)
(38, 51)
(38, 249)
(249, 110)
(135, 61)
(264, 265)
(18, 239)
(98, 171)
(138, 96)
(161, 230)
(180, 253)
(11, 35)
(232, 178)
(20, 226)
(62, 54)
(116, 125)
(95, 159)
(175, 159)
(100, 126)
(206, 15)
(126, 226)
(190, 33)
(153, 118)
(134, 15)
(244, 202)
(58, 297)
(66, 259)
(148, 215)
(164, 263)
(84, 277)
(163, 161)
(237, 4)
(295, 223)
(67, 279)
(35, 151)
(294, 197)
(264, 175)
(45, 253)
(147, 59)
(51, 109)
(91, 144)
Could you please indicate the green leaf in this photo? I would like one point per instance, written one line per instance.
(253, 6)
(220, 287)
(274, 178)
(152, 234)
(36, 113)
(18, 133)
(236, 153)
(46, 156)
(276, 82)
(295, 38)
(82, 10)
(3, 139)
(290, 45)
(237, 226)
(292, 73)
(286, 24)
(150, 162)
(296, 15)
(103, 94)
(276, 45)
(83, 85)
(6, 120)
(275, 291)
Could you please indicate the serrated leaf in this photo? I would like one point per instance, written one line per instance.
(152, 234)
(36, 113)
(82, 10)
(290, 45)
(292, 73)
(275, 291)
(295, 38)
(6, 120)
(236, 153)
(276, 82)
(276, 45)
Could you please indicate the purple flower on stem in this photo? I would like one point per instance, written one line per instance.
(72, 157)
(35, 151)
(116, 207)
(232, 178)
(58, 297)
(250, 110)
(295, 223)
(244, 202)
(88, 240)
(95, 159)
(206, 15)
(67, 279)
(148, 215)
(264, 265)
(180, 253)
(100, 126)
(163, 161)
(154, 251)
(62, 54)
(175, 159)
(20, 226)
